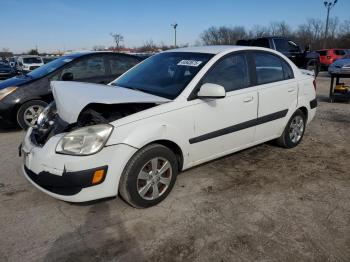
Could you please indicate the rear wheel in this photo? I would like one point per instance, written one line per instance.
(294, 131)
(149, 176)
(28, 113)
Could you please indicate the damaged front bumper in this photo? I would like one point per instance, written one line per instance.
(70, 178)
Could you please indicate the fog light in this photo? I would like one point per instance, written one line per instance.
(98, 176)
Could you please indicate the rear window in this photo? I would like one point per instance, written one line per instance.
(322, 53)
(339, 52)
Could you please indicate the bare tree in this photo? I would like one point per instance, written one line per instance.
(148, 46)
(98, 47)
(223, 35)
(118, 38)
(279, 29)
(333, 27)
(259, 31)
(344, 28)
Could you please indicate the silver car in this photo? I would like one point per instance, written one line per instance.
(341, 66)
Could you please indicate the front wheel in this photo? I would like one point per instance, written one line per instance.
(149, 176)
(294, 131)
(28, 113)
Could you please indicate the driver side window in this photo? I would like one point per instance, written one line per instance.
(86, 68)
(230, 72)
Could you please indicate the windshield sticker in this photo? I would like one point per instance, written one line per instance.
(67, 60)
(189, 63)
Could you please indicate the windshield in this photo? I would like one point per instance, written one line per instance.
(50, 67)
(165, 74)
(32, 60)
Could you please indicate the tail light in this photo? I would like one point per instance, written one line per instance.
(314, 82)
(328, 57)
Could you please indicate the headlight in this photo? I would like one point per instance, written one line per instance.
(84, 141)
(6, 91)
(46, 115)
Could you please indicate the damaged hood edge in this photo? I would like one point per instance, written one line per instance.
(72, 97)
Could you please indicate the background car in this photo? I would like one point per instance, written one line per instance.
(302, 58)
(29, 63)
(48, 59)
(6, 71)
(328, 56)
(341, 66)
(22, 98)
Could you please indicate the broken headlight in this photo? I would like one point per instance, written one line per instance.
(47, 116)
(85, 141)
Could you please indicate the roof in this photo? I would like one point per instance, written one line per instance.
(215, 49)
(82, 53)
(211, 49)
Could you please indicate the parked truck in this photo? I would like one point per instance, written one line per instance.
(303, 58)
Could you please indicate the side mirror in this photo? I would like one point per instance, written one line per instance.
(68, 76)
(209, 90)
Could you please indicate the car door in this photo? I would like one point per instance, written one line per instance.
(119, 64)
(224, 125)
(277, 93)
(91, 69)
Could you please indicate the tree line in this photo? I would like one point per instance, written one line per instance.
(312, 33)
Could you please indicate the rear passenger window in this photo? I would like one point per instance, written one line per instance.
(268, 68)
(231, 73)
(287, 70)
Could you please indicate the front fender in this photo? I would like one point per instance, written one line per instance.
(137, 137)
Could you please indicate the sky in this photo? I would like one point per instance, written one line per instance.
(53, 25)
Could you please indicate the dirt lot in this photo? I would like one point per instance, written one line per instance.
(263, 204)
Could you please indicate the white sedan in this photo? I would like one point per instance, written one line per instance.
(173, 111)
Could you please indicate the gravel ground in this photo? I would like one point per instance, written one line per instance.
(263, 204)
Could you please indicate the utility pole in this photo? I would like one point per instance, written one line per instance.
(175, 26)
(329, 5)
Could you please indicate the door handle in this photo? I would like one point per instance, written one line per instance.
(291, 89)
(248, 99)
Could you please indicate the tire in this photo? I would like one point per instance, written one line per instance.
(31, 108)
(134, 183)
(293, 132)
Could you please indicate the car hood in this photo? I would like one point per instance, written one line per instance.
(341, 62)
(16, 81)
(72, 97)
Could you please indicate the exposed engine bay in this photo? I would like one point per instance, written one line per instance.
(50, 123)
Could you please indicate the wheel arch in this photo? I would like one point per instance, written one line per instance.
(174, 147)
(305, 111)
(18, 105)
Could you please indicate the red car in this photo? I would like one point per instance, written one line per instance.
(328, 56)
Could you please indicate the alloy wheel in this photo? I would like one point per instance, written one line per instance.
(296, 129)
(154, 178)
(31, 114)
